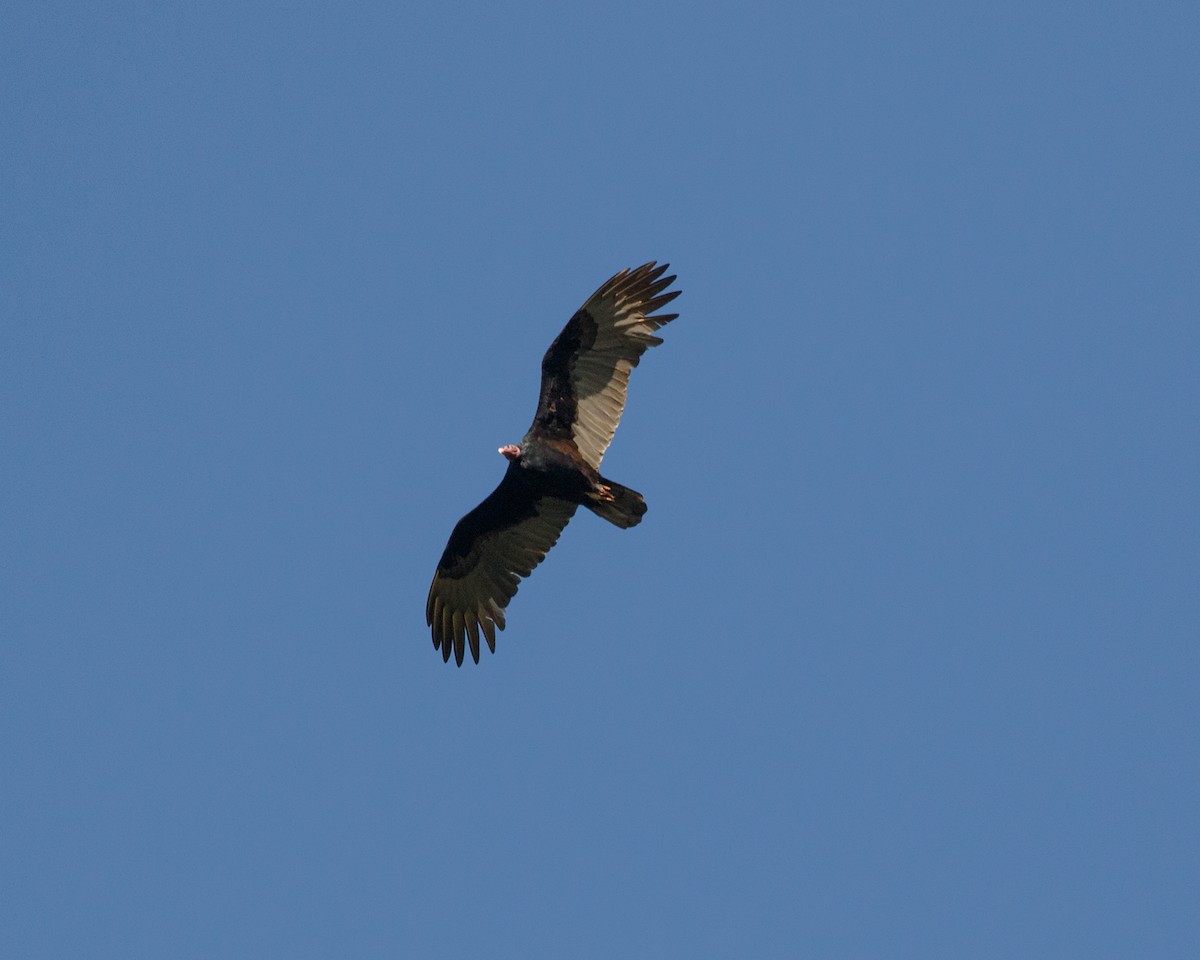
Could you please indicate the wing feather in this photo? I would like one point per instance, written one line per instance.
(490, 550)
(585, 373)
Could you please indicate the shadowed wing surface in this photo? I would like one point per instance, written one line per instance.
(585, 373)
(490, 550)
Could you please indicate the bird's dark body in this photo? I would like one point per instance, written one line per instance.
(558, 465)
(555, 469)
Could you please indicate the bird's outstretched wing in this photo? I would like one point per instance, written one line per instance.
(491, 548)
(585, 372)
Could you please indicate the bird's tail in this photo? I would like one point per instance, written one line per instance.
(616, 504)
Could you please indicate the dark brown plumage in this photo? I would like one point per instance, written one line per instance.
(556, 467)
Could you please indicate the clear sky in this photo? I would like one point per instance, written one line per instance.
(903, 661)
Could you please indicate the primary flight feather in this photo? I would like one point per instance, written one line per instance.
(556, 466)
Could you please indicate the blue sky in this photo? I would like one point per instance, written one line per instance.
(903, 660)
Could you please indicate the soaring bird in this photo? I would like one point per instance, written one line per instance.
(556, 466)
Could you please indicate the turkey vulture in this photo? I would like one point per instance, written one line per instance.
(555, 467)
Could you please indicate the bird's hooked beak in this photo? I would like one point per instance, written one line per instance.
(511, 451)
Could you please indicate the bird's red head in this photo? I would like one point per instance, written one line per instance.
(511, 451)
